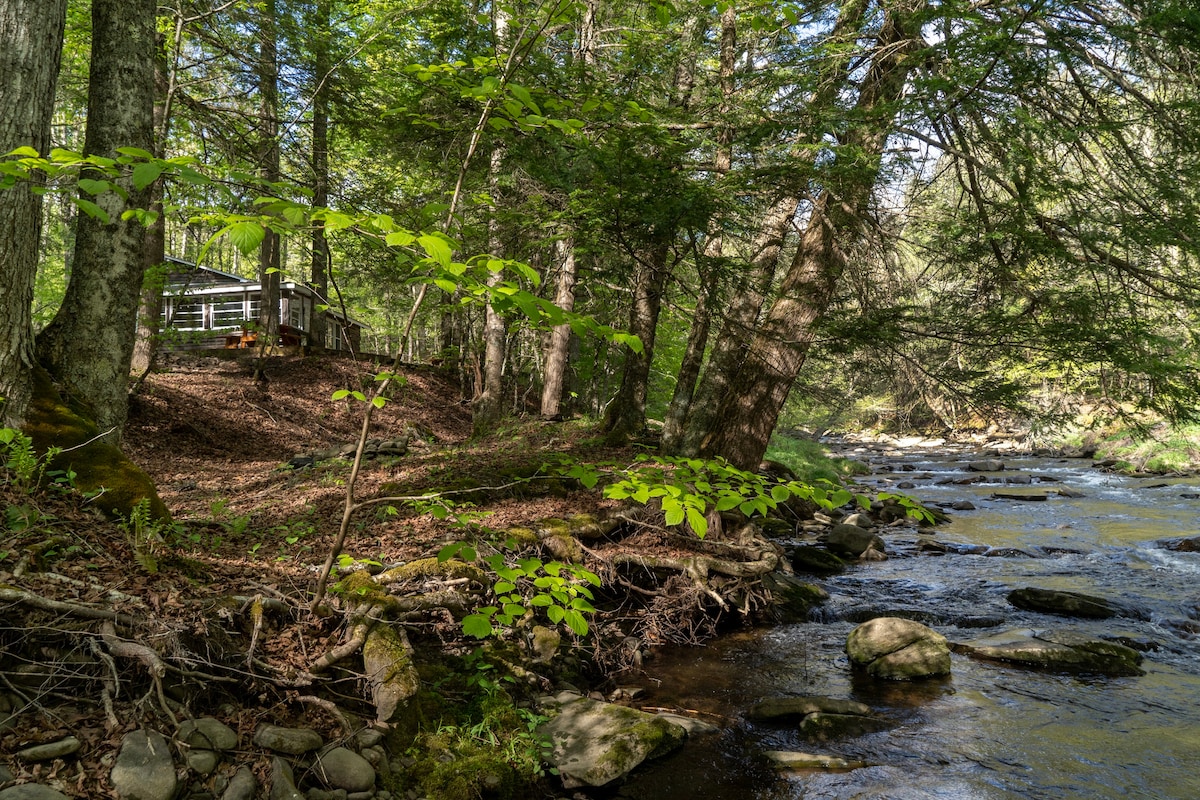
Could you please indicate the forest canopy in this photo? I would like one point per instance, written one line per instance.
(685, 212)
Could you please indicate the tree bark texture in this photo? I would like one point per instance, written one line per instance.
(154, 251)
(627, 413)
(320, 164)
(269, 262)
(750, 407)
(89, 344)
(487, 404)
(693, 354)
(31, 34)
(555, 369)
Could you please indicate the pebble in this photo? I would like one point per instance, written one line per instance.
(242, 786)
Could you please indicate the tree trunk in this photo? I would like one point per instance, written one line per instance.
(745, 304)
(31, 34)
(268, 255)
(627, 413)
(555, 369)
(693, 355)
(89, 344)
(320, 167)
(753, 400)
(486, 408)
(154, 253)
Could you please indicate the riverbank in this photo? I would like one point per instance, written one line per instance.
(120, 632)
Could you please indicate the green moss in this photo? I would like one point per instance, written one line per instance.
(51, 422)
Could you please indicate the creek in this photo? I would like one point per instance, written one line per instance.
(989, 730)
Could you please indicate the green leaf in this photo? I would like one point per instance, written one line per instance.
(514, 610)
(541, 600)
(340, 394)
(675, 515)
(379, 401)
(728, 501)
(698, 522)
(575, 622)
(780, 493)
(246, 235)
(522, 94)
(555, 613)
(437, 248)
(399, 239)
(503, 586)
(478, 626)
(146, 174)
(92, 210)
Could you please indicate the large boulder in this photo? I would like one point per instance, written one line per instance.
(1067, 604)
(898, 649)
(596, 743)
(1061, 651)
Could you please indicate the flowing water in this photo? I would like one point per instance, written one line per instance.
(988, 731)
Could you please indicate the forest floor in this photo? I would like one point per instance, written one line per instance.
(246, 525)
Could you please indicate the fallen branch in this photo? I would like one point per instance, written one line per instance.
(12, 594)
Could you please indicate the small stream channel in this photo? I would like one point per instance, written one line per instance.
(987, 731)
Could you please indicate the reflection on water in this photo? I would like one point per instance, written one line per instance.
(988, 731)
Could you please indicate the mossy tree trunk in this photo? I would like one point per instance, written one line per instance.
(31, 33)
(89, 344)
(755, 385)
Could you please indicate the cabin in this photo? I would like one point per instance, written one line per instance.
(207, 309)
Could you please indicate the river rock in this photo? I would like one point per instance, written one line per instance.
(858, 519)
(144, 769)
(1065, 651)
(1063, 603)
(1188, 545)
(962, 505)
(51, 750)
(822, 727)
(292, 741)
(344, 769)
(852, 541)
(242, 785)
(207, 733)
(595, 743)
(787, 759)
(991, 465)
(898, 649)
(1021, 496)
(31, 791)
(693, 726)
(786, 708)
(283, 782)
(816, 561)
(792, 597)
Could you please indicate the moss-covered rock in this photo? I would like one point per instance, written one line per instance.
(898, 649)
(596, 743)
(388, 665)
(98, 465)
